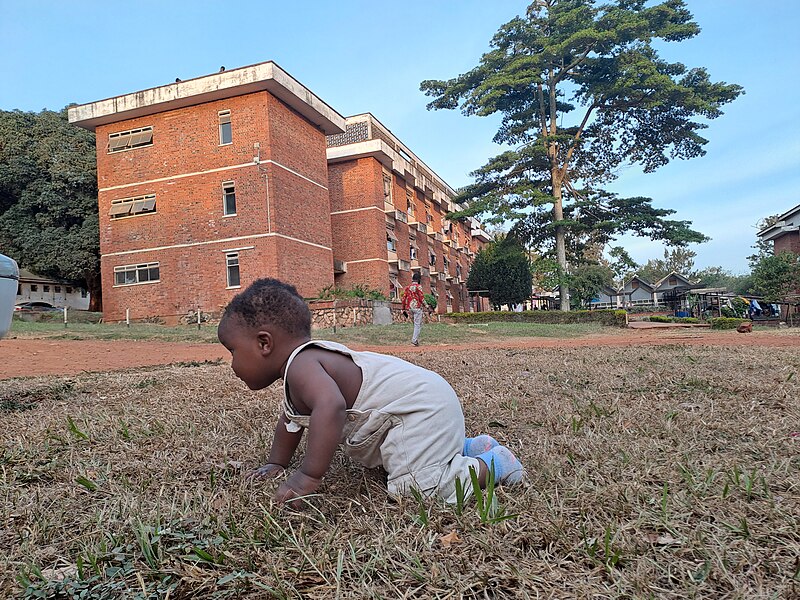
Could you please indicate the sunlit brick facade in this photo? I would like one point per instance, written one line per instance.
(208, 184)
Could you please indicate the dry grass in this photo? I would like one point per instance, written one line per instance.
(667, 472)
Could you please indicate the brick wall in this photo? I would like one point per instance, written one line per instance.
(283, 197)
(789, 242)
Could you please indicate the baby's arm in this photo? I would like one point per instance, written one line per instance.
(284, 445)
(315, 390)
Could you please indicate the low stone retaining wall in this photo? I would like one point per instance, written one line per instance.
(327, 314)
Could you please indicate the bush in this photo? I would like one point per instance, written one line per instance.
(727, 323)
(660, 319)
(357, 291)
(664, 319)
(430, 300)
(614, 318)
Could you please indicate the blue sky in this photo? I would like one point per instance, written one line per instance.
(365, 56)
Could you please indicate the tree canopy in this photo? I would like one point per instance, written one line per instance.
(48, 197)
(502, 270)
(776, 277)
(583, 92)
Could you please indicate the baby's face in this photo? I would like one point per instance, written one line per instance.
(248, 358)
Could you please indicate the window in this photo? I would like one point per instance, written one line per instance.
(225, 133)
(391, 241)
(46, 288)
(229, 198)
(58, 289)
(432, 261)
(410, 203)
(83, 294)
(413, 253)
(672, 281)
(69, 290)
(634, 284)
(128, 207)
(232, 264)
(34, 287)
(429, 217)
(127, 140)
(387, 188)
(133, 274)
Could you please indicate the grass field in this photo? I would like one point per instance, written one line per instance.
(433, 333)
(654, 472)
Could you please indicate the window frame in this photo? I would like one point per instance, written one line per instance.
(228, 185)
(143, 137)
(224, 118)
(136, 206)
(137, 269)
(232, 262)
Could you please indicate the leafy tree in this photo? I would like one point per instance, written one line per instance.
(586, 281)
(620, 263)
(503, 269)
(679, 260)
(717, 277)
(48, 197)
(776, 276)
(763, 248)
(583, 92)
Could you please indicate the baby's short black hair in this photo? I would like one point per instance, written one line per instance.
(272, 302)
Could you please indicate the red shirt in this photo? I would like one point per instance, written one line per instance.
(413, 296)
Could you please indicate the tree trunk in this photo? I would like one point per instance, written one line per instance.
(561, 250)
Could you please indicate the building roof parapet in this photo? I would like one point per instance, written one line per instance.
(266, 76)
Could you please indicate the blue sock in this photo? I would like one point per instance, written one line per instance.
(478, 445)
(507, 468)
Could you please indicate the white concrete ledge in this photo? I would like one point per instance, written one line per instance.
(266, 76)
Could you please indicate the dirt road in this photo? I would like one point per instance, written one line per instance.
(26, 357)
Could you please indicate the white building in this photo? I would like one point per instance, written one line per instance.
(34, 288)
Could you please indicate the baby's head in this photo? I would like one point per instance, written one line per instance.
(261, 327)
(271, 303)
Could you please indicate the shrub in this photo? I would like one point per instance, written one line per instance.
(614, 318)
(660, 319)
(330, 292)
(727, 323)
(430, 300)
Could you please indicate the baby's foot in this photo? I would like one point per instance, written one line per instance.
(478, 445)
(507, 468)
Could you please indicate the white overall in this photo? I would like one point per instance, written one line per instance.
(405, 418)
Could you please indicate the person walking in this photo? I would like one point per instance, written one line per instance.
(413, 300)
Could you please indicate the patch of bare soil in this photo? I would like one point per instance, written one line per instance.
(26, 357)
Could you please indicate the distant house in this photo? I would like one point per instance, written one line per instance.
(637, 291)
(669, 290)
(784, 233)
(35, 288)
(608, 297)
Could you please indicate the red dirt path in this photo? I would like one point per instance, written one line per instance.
(25, 357)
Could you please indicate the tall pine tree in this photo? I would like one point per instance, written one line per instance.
(582, 92)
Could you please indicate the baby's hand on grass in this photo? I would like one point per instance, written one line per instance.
(298, 484)
(268, 471)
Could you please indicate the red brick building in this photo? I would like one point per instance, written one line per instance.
(388, 217)
(784, 233)
(208, 184)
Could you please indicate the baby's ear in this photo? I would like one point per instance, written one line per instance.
(266, 343)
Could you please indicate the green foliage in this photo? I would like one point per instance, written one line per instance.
(48, 197)
(586, 281)
(431, 301)
(616, 318)
(677, 260)
(737, 310)
(665, 319)
(717, 277)
(583, 92)
(503, 269)
(727, 322)
(330, 292)
(775, 277)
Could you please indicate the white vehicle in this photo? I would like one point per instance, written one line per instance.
(9, 277)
